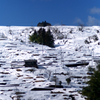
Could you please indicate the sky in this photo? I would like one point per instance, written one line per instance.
(56, 12)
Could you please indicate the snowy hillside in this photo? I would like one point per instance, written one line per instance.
(73, 44)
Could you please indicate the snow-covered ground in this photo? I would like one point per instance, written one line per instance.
(72, 44)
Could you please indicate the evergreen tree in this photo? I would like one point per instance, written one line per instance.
(68, 80)
(92, 91)
(33, 37)
(42, 37)
(49, 39)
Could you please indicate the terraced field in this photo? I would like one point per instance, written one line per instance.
(49, 80)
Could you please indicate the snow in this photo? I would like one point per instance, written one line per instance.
(19, 80)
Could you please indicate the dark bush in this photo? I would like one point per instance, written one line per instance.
(87, 42)
(68, 80)
(97, 31)
(43, 24)
(81, 27)
(91, 39)
(42, 37)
